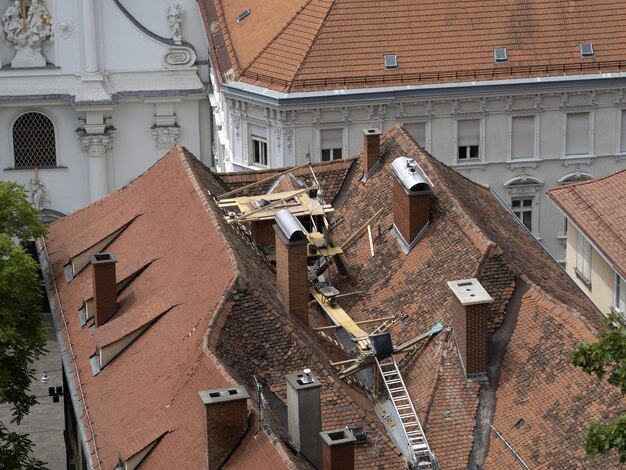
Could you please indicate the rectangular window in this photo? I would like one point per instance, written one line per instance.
(583, 258)
(522, 137)
(523, 209)
(468, 140)
(577, 134)
(622, 139)
(331, 144)
(417, 131)
(620, 295)
(259, 150)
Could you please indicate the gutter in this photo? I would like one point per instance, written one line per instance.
(48, 277)
(267, 97)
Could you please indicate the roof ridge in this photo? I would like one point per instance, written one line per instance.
(271, 41)
(308, 51)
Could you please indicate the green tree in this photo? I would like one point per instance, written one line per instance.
(605, 358)
(22, 332)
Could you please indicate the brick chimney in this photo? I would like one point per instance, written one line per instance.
(262, 232)
(371, 144)
(292, 280)
(469, 321)
(226, 411)
(411, 201)
(304, 415)
(104, 287)
(338, 449)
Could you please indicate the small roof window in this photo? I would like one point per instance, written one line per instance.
(499, 54)
(586, 49)
(391, 61)
(243, 15)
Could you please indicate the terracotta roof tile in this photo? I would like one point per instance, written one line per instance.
(598, 208)
(329, 45)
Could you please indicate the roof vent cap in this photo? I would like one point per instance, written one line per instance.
(307, 378)
(410, 174)
(290, 226)
(586, 49)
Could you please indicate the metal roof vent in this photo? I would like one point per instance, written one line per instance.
(499, 54)
(243, 14)
(391, 61)
(586, 49)
(307, 378)
(290, 226)
(410, 174)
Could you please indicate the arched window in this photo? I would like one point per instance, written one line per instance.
(34, 143)
(524, 200)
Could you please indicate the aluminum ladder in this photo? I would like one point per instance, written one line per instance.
(399, 396)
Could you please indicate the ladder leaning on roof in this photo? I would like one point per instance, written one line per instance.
(399, 396)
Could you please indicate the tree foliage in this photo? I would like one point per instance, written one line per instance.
(22, 333)
(605, 358)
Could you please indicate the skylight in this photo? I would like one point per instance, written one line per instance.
(243, 14)
(391, 61)
(586, 49)
(499, 54)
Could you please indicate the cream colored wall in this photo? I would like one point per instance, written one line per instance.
(601, 290)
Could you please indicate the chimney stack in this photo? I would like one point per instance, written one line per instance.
(371, 143)
(226, 411)
(292, 279)
(469, 321)
(411, 201)
(338, 449)
(304, 413)
(262, 232)
(104, 287)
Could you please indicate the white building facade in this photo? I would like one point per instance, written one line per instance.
(92, 93)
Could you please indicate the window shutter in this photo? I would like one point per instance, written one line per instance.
(523, 137)
(331, 138)
(468, 132)
(577, 134)
(622, 144)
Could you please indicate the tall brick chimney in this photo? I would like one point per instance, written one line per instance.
(411, 201)
(338, 449)
(104, 287)
(469, 321)
(226, 421)
(371, 144)
(262, 232)
(292, 280)
(304, 415)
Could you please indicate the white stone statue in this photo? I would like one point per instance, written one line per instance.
(38, 191)
(175, 19)
(27, 34)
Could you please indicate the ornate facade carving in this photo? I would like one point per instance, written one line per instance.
(65, 28)
(28, 28)
(96, 145)
(179, 57)
(236, 126)
(278, 135)
(289, 138)
(165, 137)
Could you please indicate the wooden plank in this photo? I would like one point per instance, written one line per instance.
(340, 317)
(349, 241)
(271, 204)
(256, 183)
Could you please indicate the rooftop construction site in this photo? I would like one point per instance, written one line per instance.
(380, 312)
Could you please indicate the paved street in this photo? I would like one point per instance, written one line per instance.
(45, 423)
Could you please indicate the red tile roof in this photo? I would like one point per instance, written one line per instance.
(598, 208)
(330, 44)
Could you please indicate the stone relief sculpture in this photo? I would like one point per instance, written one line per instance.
(175, 19)
(38, 191)
(28, 28)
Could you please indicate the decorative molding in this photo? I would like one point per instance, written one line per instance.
(65, 28)
(175, 20)
(289, 138)
(96, 145)
(28, 29)
(179, 57)
(236, 126)
(165, 137)
(278, 135)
